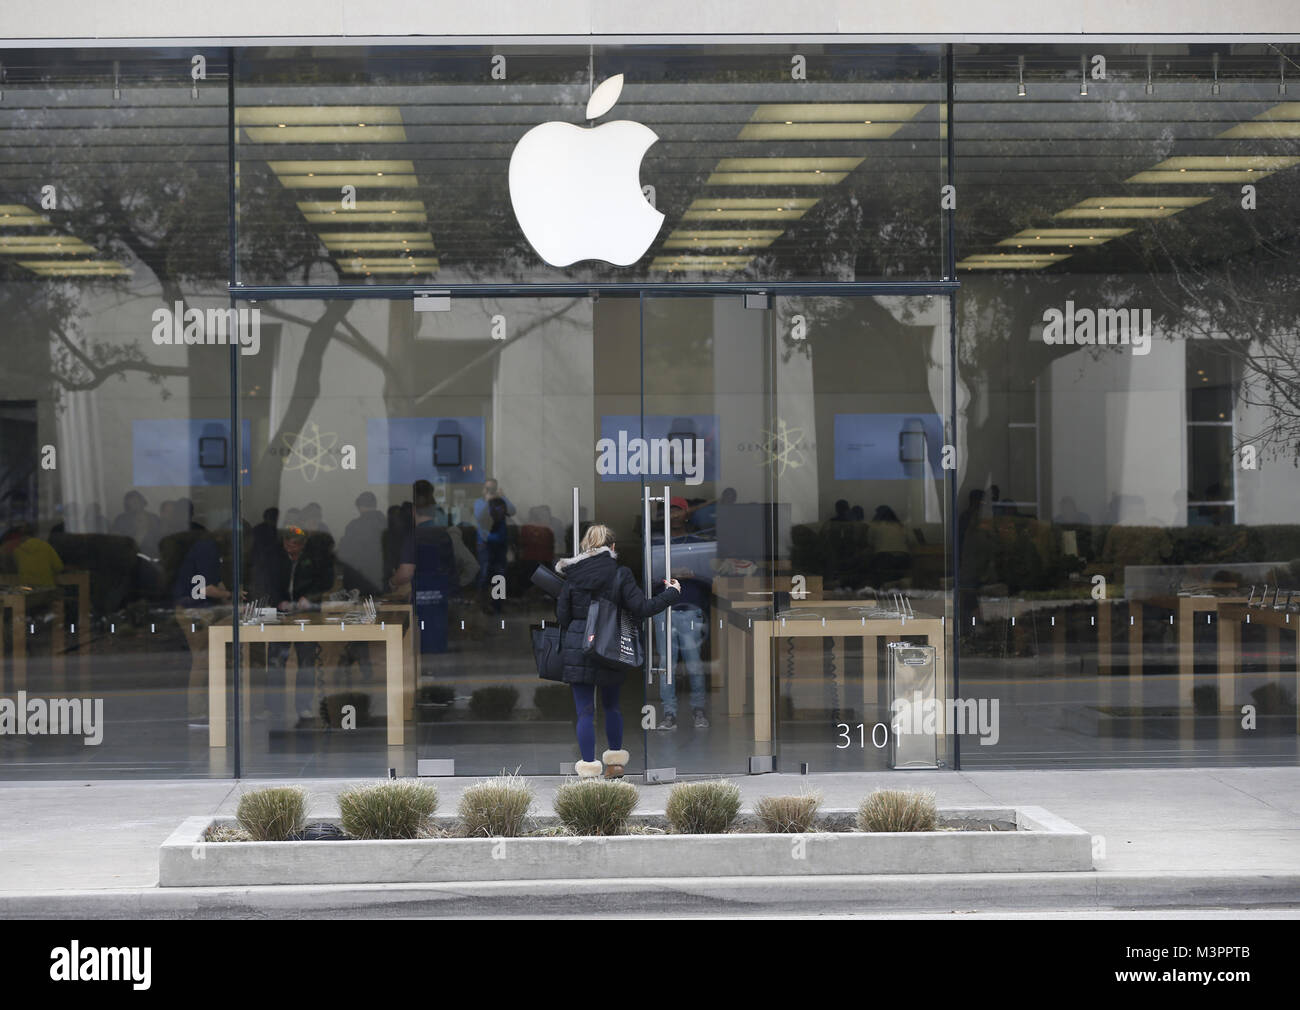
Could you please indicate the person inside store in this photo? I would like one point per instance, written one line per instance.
(890, 545)
(295, 576)
(843, 513)
(136, 522)
(199, 595)
(490, 514)
(690, 628)
(360, 550)
(593, 572)
(435, 563)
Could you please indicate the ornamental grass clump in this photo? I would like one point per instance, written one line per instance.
(789, 814)
(275, 814)
(387, 809)
(898, 810)
(496, 808)
(596, 806)
(703, 808)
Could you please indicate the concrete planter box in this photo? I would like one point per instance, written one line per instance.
(1040, 842)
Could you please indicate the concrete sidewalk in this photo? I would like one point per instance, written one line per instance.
(1224, 837)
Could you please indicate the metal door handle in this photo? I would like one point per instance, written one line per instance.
(668, 574)
(576, 537)
(648, 568)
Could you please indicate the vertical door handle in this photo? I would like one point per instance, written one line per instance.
(576, 524)
(668, 574)
(647, 566)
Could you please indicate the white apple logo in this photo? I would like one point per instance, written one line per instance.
(577, 191)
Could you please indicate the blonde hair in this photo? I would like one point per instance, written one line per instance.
(597, 535)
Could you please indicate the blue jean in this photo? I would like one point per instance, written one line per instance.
(491, 561)
(689, 631)
(277, 655)
(584, 700)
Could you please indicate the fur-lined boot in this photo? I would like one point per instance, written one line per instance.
(587, 769)
(614, 762)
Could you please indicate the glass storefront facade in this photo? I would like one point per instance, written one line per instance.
(986, 348)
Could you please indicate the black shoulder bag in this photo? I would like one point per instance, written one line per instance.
(613, 636)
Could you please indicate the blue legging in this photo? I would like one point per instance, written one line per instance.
(584, 699)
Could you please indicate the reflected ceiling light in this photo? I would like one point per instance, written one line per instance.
(686, 238)
(693, 263)
(382, 245)
(1281, 74)
(10, 244)
(1282, 121)
(336, 124)
(1225, 168)
(15, 215)
(389, 265)
(1083, 76)
(1214, 88)
(75, 268)
(757, 208)
(374, 180)
(366, 236)
(375, 206)
(782, 171)
(1064, 236)
(1142, 201)
(788, 164)
(1011, 261)
(332, 174)
(1151, 88)
(340, 167)
(828, 121)
(835, 112)
(117, 84)
(318, 115)
(815, 178)
(1099, 213)
(337, 217)
(1129, 207)
(1230, 162)
(1073, 232)
(1020, 88)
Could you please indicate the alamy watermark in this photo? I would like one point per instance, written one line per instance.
(1115, 327)
(53, 717)
(179, 325)
(929, 716)
(924, 716)
(75, 963)
(651, 457)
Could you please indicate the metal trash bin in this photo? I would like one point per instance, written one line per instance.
(913, 678)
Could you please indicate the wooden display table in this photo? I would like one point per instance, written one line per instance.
(753, 623)
(391, 629)
(14, 600)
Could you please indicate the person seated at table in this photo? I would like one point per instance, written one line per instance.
(34, 561)
(891, 547)
(136, 522)
(295, 577)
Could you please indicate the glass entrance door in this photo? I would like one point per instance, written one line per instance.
(811, 533)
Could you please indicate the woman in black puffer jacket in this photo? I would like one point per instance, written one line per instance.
(595, 572)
